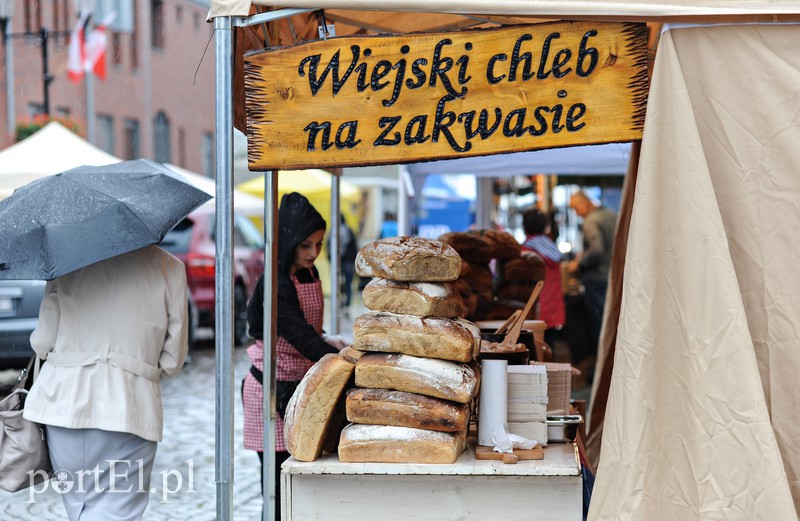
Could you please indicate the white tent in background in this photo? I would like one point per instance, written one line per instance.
(244, 203)
(51, 150)
(611, 159)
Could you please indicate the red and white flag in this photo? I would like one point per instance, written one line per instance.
(96, 45)
(75, 54)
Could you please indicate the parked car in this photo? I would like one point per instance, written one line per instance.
(192, 241)
(19, 313)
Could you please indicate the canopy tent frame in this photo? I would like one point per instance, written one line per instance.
(630, 10)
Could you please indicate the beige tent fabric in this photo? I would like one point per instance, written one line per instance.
(762, 10)
(702, 419)
(608, 335)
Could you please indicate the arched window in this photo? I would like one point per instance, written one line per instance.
(162, 144)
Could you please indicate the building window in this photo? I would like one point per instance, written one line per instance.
(35, 109)
(179, 14)
(105, 132)
(208, 154)
(157, 23)
(62, 112)
(162, 143)
(134, 38)
(182, 147)
(130, 129)
(116, 47)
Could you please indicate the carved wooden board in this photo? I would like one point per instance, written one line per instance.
(356, 101)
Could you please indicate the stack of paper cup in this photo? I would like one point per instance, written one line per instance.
(493, 405)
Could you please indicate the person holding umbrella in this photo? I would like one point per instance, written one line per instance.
(112, 322)
(300, 342)
(108, 331)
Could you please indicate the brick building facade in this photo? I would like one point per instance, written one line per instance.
(157, 101)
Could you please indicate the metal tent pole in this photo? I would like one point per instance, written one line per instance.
(335, 253)
(223, 300)
(270, 337)
(224, 60)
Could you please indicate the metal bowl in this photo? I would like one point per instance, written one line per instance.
(562, 429)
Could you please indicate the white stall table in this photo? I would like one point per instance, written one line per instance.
(469, 489)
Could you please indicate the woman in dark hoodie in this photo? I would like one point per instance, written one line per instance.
(300, 342)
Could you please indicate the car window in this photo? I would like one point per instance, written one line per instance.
(250, 233)
(177, 239)
(245, 233)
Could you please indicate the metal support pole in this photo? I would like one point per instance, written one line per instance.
(270, 337)
(335, 254)
(485, 202)
(403, 218)
(223, 300)
(91, 121)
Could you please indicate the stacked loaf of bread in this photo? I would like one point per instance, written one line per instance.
(415, 378)
(488, 294)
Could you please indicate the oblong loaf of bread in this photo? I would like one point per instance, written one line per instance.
(390, 444)
(408, 259)
(310, 411)
(447, 339)
(402, 409)
(422, 299)
(428, 376)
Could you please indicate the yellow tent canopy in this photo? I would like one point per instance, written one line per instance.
(315, 184)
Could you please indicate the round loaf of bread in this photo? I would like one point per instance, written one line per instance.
(423, 299)
(311, 410)
(471, 247)
(480, 278)
(504, 245)
(408, 259)
(528, 268)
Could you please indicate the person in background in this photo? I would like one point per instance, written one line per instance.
(536, 225)
(300, 342)
(593, 263)
(108, 333)
(389, 227)
(348, 249)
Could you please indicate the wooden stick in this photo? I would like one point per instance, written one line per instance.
(510, 320)
(513, 335)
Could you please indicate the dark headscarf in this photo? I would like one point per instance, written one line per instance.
(297, 219)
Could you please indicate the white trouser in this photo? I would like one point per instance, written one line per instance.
(105, 476)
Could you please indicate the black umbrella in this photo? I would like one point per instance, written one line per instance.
(64, 222)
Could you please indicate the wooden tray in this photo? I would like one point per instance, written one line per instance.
(484, 452)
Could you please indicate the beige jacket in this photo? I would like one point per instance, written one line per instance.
(108, 332)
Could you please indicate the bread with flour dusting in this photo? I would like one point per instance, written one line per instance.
(433, 337)
(389, 444)
(423, 299)
(408, 259)
(310, 414)
(402, 409)
(427, 376)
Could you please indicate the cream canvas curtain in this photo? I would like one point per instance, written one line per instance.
(702, 419)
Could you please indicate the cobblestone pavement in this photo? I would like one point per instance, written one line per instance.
(185, 458)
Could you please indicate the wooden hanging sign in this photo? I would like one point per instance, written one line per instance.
(356, 101)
